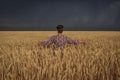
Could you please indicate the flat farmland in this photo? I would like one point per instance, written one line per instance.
(22, 59)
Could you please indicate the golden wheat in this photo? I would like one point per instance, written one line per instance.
(22, 59)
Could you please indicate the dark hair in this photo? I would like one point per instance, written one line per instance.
(60, 28)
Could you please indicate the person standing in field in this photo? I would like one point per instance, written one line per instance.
(60, 40)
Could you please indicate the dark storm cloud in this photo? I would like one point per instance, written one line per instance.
(107, 15)
(33, 14)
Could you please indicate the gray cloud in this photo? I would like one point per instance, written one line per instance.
(110, 14)
(90, 14)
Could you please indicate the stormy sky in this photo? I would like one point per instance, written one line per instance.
(47, 14)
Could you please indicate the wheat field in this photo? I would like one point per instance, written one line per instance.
(22, 59)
